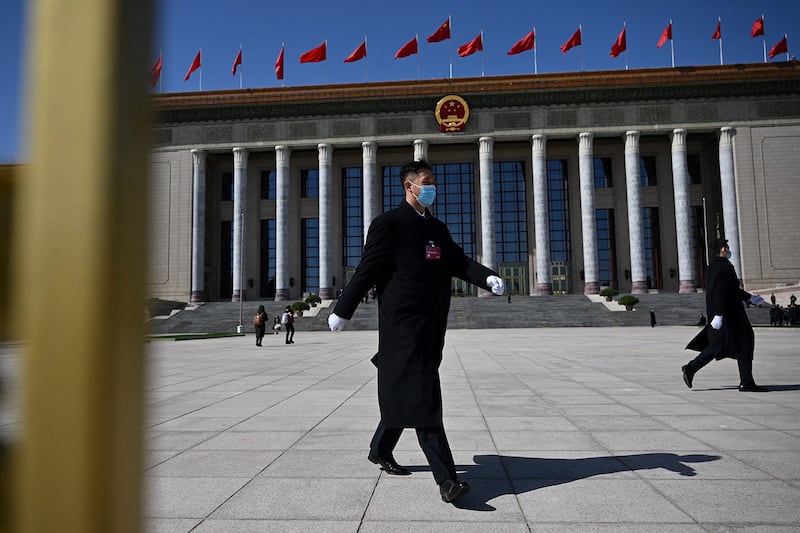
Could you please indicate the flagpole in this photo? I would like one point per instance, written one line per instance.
(200, 68)
(671, 46)
(240, 69)
(160, 81)
(719, 22)
(535, 68)
(624, 29)
(785, 36)
(580, 29)
(416, 37)
(764, 37)
(325, 67)
(366, 58)
(450, 25)
(482, 55)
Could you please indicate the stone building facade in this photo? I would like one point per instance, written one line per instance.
(563, 182)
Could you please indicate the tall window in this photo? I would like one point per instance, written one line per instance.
(267, 185)
(511, 229)
(309, 260)
(647, 171)
(226, 259)
(352, 215)
(226, 187)
(699, 242)
(606, 247)
(693, 166)
(455, 202)
(267, 248)
(558, 205)
(309, 183)
(393, 192)
(652, 247)
(602, 173)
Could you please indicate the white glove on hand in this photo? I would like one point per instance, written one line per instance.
(496, 284)
(336, 323)
(717, 322)
(756, 299)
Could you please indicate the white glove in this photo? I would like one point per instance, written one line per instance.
(336, 323)
(716, 323)
(756, 299)
(496, 284)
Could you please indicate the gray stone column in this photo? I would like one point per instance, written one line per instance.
(198, 225)
(683, 220)
(544, 284)
(282, 154)
(325, 153)
(420, 150)
(591, 268)
(239, 215)
(635, 225)
(730, 216)
(369, 162)
(486, 159)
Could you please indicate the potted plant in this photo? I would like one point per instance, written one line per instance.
(628, 301)
(299, 307)
(313, 299)
(608, 292)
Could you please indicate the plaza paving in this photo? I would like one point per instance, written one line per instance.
(557, 429)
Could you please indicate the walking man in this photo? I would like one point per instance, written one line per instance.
(410, 257)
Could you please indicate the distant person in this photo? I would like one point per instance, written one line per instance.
(652, 317)
(287, 320)
(730, 333)
(260, 324)
(411, 257)
(276, 325)
(702, 320)
(772, 298)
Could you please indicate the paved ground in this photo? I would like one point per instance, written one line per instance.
(581, 429)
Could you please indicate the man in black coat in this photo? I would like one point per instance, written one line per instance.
(410, 257)
(729, 334)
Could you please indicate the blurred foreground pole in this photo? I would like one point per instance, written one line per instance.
(80, 266)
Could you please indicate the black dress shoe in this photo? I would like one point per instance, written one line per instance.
(688, 375)
(453, 489)
(389, 466)
(752, 388)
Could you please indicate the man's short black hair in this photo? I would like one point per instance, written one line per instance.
(718, 244)
(408, 169)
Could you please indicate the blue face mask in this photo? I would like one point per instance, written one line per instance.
(729, 254)
(427, 194)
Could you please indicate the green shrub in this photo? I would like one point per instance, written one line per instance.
(608, 291)
(313, 299)
(627, 300)
(300, 306)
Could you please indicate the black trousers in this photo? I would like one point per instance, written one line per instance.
(706, 356)
(433, 442)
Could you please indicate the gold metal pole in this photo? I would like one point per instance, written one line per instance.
(81, 266)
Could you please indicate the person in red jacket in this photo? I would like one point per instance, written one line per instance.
(410, 257)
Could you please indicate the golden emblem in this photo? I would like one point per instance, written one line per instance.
(452, 113)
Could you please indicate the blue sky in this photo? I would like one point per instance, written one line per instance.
(183, 26)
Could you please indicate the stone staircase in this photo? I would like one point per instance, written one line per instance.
(671, 309)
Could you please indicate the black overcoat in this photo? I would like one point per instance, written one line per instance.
(413, 288)
(724, 297)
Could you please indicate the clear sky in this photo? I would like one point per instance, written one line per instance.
(220, 27)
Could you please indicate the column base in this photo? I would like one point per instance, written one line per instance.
(687, 286)
(198, 296)
(544, 289)
(591, 287)
(326, 293)
(239, 295)
(639, 287)
(281, 295)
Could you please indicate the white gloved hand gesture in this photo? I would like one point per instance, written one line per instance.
(756, 299)
(496, 284)
(336, 323)
(716, 323)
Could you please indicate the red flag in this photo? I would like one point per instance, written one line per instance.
(236, 62)
(407, 49)
(781, 47)
(666, 35)
(279, 65)
(358, 53)
(442, 33)
(195, 66)
(758, 27)
(718, 34)
(619, 46)
(475, 45)
(315, 55)
(526, 43)
(156, 73)
(572, 42)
